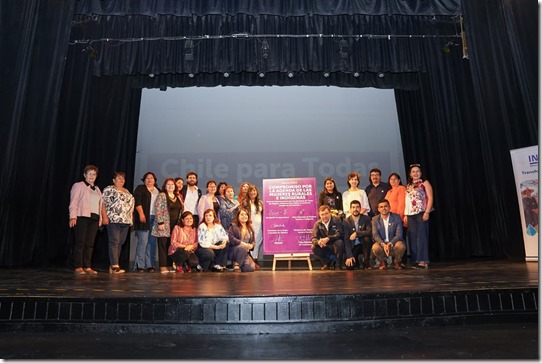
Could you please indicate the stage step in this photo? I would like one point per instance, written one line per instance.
(269, 314)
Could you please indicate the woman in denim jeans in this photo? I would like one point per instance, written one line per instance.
(144, 213)
(117, 216)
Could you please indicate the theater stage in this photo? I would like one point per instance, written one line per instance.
(281, 301)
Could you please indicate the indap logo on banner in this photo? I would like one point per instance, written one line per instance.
(525, 165)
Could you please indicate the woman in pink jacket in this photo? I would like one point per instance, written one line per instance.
(184, 243)
(85, 218)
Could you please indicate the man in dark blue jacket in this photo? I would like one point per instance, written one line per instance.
(327, 241)
(357, 232)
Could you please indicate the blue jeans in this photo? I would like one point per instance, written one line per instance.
(208, 256)
(116, 234)
(333, 251)
(145, 248)
(418, 238)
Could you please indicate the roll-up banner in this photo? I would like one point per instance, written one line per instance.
(525, 165)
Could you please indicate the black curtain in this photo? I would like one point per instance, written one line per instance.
(503, 39)
(99, 120)
(151, 49)
(34, 40)
(197, 8)
(56, 118)
(464, 120)
(69, 99)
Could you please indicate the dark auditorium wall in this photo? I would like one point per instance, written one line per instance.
(459, 118)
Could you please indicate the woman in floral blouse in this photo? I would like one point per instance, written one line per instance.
(118, 216)
(418, 205)
(212, 240)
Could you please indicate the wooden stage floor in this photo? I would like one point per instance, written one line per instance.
(450, 276)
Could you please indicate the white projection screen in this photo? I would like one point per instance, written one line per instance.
(237, 134)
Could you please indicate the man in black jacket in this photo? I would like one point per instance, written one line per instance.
(327, 241)
(357, 237)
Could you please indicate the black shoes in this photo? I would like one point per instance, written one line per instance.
(217, 268)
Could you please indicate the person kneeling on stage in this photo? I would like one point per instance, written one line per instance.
(184, 243)
(327, 241)
(388, 236)
(213, 242)
(241, 240)
(357, 237)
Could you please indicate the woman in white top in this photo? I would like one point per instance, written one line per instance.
(255, 205)
(212, 240)
(355, 193)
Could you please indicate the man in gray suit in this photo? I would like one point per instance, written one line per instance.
(388, 236)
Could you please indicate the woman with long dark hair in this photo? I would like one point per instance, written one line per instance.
(331, 197)
(168, 209)
(241, 237)
(254, 205)
(144, 214)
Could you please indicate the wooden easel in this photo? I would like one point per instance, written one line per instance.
(292, 257)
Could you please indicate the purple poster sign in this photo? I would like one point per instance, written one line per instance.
(289, 213)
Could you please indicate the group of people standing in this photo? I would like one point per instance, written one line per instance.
(197, 231)
(193, 231)
(168, 220)
(372, 222)
(89, 209)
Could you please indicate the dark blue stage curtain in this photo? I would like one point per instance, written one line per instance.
(33, 42)
(190, 8)
(69, 99)
(464, 120)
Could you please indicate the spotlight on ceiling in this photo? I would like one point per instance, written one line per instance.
(190, 75)
(151, 75)
(265, 49)
(261, 74)
(290, 74)
(356, 74)
(326, 74)
(226, 74)
(380, 75)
